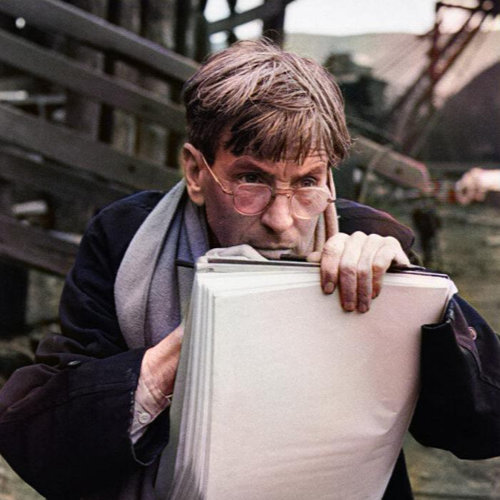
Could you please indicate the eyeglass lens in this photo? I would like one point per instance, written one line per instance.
(309, 202)
(251, 199)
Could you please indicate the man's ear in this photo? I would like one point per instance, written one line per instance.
(191, 161)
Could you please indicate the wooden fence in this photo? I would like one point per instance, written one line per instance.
(73, 169)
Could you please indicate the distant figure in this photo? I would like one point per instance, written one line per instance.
(475, 184)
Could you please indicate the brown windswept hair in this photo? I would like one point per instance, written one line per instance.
(265, 102)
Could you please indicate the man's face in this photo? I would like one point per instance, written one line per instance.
(274, 232)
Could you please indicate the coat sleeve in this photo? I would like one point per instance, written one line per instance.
(459, 404)
(64, 421)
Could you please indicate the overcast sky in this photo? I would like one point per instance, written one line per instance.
(343, 17)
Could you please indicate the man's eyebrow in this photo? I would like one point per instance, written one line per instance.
(245, 162)
(318, 169)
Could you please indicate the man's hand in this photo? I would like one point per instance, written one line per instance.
(159, 365)
(356, 264)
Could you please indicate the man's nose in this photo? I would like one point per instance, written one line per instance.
(278, 215)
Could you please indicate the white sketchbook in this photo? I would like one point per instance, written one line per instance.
(282, 395)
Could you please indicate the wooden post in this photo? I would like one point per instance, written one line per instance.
(121, 126)
(274, 27)
(82, 113)
(157, 25)
(191, 37)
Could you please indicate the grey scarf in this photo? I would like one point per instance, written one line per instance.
(153, 284)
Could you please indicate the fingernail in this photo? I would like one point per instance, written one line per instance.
(362, 308)
(329, 287)
(348, 306)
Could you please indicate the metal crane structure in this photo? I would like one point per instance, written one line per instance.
(410, 117)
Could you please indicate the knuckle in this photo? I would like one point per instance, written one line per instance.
(335, 242)
(334, 249)
(348, 272)
(358, 235)
(374, 237)
(364, 274)
(330, 250)
(391, 241)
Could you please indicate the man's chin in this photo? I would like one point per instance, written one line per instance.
(274, 253)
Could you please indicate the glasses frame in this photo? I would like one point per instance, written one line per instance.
(288, 192)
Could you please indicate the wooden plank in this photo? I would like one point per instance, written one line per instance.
(267, 11)
(394, 166)
(58, 181)
(16, 82)
(113, 91)
(63, 18)
(36, 247)
(76, 150)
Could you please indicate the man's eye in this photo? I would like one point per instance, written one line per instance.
(250, 178)
(308, 182)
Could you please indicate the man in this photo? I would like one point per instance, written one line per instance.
(91, 418)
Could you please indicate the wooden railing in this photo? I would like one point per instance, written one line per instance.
(54, 15)
(67, 167)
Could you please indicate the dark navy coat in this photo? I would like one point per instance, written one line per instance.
(64, 421)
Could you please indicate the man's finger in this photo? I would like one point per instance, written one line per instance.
(330, 259)
(366, 272)
(348, 270)
(390, 253)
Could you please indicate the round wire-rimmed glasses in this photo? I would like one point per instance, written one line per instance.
(255, 198)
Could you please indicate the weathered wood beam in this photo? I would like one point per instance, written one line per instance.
(267, 11)
(36, 247)
(57, 181)
(110, 90)
(77, 151)
(63, 18)
(398, 168)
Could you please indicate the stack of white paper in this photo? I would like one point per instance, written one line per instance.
(282, 395)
